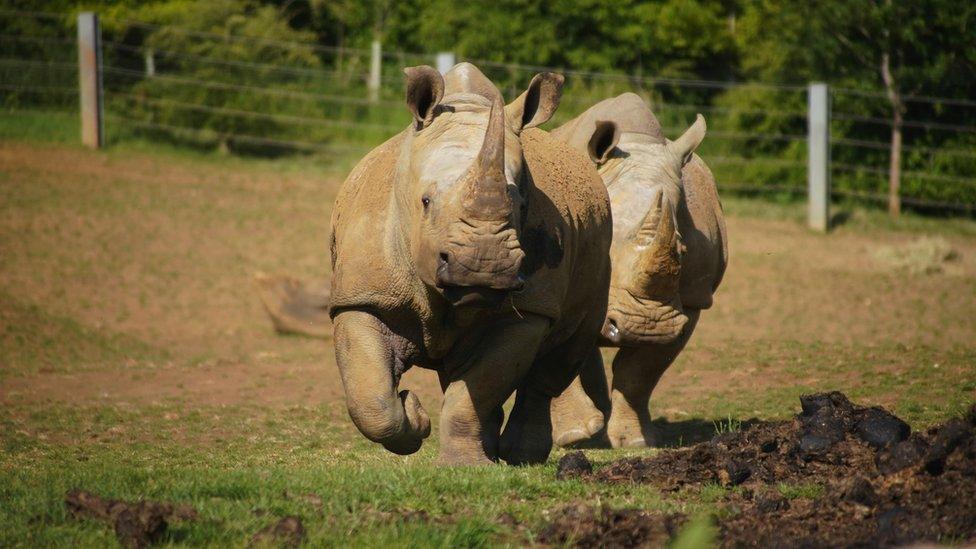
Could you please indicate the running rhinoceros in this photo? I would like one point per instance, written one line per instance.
(669, 254)
(478, 247)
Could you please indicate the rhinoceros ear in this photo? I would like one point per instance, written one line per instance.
(425, 89)
(685, 145)
(602, 142)
(537, 104)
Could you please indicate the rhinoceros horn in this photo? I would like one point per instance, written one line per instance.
(659, 267)
(484, 186)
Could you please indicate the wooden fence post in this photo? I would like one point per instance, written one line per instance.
(818, 157)
(90, 80)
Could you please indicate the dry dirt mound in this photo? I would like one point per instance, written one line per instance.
(880, 484)
(586, 526)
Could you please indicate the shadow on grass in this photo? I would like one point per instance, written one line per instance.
(678, 434)
(687, 432)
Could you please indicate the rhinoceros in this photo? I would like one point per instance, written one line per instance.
(473, 244)
(669, 254)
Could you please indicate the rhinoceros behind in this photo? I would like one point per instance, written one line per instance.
(475, 246)
(669, 255)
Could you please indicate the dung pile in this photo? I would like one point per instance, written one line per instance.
(875, 482)
(136, 524)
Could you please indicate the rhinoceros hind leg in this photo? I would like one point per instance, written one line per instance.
(579, 413)
(636, 371)
(296, 307)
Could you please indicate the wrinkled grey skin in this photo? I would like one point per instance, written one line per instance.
(669, 254)
(430, 268)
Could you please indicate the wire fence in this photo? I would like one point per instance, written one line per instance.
(273, 96)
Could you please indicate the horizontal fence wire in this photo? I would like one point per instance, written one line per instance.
(237, 38)
(909, 200)
(255, 139)
(877, 145)
(285, 69)
(61, 65)
(909, 98)
(40, 89)
(907, 123)
(905, 173)
(255, 114)
(212, 84)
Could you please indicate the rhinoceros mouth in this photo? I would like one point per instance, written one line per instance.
(633, 321)
(461, 296)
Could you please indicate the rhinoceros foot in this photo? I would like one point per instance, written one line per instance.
(630, 430)
(295, 307)
(575, 419)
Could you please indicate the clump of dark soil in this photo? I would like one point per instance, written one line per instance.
(587, 526)
(572, 465)
(136, 524)
(874, 481)
(289, 532)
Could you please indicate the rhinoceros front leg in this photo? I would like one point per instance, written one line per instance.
(487, 376)
(370, 364)
(580, 412)
(636, 371)
(528, 434)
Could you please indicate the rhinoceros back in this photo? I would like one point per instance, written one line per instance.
(702, 227)
(566, 235)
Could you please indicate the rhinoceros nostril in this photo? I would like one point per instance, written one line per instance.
(444, 259)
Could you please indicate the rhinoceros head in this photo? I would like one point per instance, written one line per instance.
(458, 192)
(644, 182)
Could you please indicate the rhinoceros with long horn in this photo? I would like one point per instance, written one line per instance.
(669, 254)
(477, 246)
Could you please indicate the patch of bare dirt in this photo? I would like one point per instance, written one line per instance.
(219, 383)
(136, 524)
(287, 532)
(587, 526)
(880, 483)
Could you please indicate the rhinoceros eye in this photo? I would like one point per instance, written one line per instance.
(425, 201)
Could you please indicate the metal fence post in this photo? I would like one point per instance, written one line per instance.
(90, 79)
(445, 60)
(818, 157)
(375, 64)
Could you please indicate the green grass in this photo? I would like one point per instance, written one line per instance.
(41, 126)
(803, 490)
(242, 468)
(728, 425)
